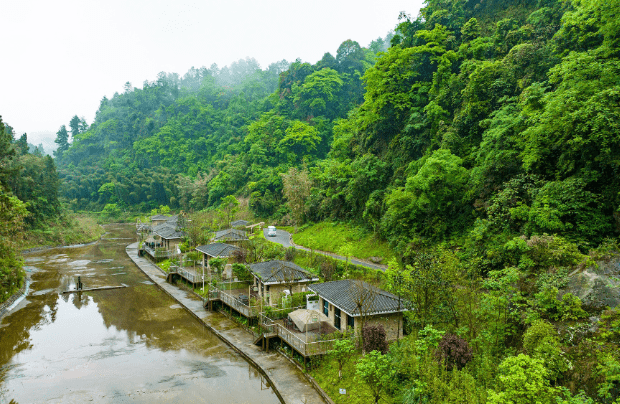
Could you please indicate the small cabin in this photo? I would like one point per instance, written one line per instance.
(347, 303)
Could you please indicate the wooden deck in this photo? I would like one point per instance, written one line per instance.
(231, 299)
(93, 289)
(307, 344)
(188, 274)
(157, 252)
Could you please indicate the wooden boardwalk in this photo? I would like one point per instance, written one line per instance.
(93, 289)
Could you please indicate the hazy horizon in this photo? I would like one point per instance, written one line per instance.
(69, 54)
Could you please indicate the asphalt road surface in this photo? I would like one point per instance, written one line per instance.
(284, 238)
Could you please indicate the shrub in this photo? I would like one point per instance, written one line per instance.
(521, 380)
(569, 308)
(217, 263)
(242, 272)
(342, 352)
(194, 255)
(289, 254)
(541, 341)
(609, 325)
(328, 269)
(374, 338)
(240, 255)
(454, 351)
(428, 338)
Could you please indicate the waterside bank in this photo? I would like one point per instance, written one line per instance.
(288, 382)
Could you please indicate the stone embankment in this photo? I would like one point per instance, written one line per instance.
(287, 381)
(21, 293)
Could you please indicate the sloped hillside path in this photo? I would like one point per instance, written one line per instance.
(285, 239)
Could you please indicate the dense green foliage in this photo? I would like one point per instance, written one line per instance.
(483, 144)
(499, 118)
(28, 198)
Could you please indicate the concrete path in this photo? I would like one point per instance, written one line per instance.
(285, 239)
(289, 383)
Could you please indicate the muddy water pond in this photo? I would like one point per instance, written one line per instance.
(133, 344)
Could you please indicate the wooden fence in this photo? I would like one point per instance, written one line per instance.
(305, 348)
(235, 303)
(156, 252)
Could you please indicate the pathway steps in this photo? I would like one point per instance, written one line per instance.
(288, 381)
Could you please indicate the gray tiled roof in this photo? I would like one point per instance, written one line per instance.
(239, 223)
(159, 217)
(355, 297)
(280, 271)
(168, 231)
(230, 234)
(143, 227)
(218, 249)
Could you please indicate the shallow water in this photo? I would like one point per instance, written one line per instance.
(133, 344)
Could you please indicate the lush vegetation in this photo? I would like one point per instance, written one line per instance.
(343, 239)
(30, 211)
(480, 140)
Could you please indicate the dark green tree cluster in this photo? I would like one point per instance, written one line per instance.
(189, 141)
(500, 118)
(28, 196)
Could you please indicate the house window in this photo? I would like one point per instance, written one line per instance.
(337, 318)
(351, 322)
(326, 308)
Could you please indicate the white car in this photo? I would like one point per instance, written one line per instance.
(271, 231)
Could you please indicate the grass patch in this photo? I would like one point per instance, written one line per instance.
(343, 239)
(165, 265)
(326, 375)
(68, 229)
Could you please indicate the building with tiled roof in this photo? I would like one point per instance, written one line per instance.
(239, 223)
(230, 236)
(274, 278)
(216, 250)
(348, 303)
(169, 232)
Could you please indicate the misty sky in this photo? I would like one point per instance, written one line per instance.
(59, 58)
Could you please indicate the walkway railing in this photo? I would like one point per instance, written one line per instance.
(305, 348)
(235, 303)
(156, 252)
(190, 276)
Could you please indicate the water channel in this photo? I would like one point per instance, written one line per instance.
(134, 344)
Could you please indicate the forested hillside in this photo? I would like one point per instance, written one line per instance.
(497, 116)
(481, 139)
(28, 197)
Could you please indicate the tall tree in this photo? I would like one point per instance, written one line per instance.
(7, 152)
(297, 186)
(78, 125)
(62, 140)
(22, 145)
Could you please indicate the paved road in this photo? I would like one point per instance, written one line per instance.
(284, 238)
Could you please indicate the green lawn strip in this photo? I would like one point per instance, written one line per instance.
(326, 375)
(290, 229)
(336, 237)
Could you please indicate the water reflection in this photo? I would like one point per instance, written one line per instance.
(132, 344)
